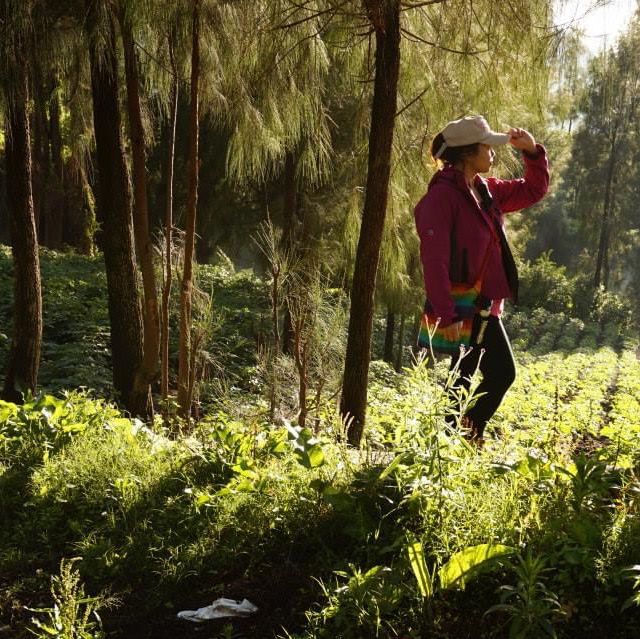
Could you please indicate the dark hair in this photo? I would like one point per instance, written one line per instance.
(452, 154)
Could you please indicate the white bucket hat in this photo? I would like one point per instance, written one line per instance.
(471, 129)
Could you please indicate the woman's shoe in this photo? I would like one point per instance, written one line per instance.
(472, 432)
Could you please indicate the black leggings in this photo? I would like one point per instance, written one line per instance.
(498, 370)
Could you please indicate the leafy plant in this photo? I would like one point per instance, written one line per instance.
(529, 605)
(591, 482)
(306, 446)
(633, 573)
(73, 615)
(469, 562)
(360, 606)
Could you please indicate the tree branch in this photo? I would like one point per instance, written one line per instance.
(417, 38)
(406, 6)
(413, 101)
(332, 10)
(315, 34)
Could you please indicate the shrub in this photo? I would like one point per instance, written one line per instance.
(610, 308)
(544, 284)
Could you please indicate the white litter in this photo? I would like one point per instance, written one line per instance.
(219, 608)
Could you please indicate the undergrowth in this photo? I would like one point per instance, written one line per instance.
(419, 534)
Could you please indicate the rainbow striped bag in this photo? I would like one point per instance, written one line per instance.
(468, 302)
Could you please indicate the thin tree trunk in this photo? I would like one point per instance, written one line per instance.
(302, 389)
(40, 156)
(114, 199)
(79, 217)
(606, 215)
(144, 246)
(24, 357)
(288, 239)
(168, 234)
(56, 192)
(606, 265)
(400, 351)
(415, 331)
(184, 399)
(388, 337)
(301, 358)
(385, 16)
(275, 306)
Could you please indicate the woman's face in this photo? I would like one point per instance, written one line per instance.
(482, 159)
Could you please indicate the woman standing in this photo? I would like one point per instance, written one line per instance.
(460, 224)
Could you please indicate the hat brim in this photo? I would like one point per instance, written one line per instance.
(495, 139)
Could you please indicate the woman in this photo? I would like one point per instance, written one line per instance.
(460, 224)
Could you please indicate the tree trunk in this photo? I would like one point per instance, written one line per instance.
(606, 270)
(288, 239)
(79, 217)
(606, 215)
(275, 326)
(40, 163)
(385, 16)
(301, 359)
(144, 246)
(56, 191)
(168, 234)
(400, 351)
(184, 374)
(114, 200)
(24, 357)
(388, 337)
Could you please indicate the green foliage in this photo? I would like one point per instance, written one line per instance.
(633, 573)
(73, 615)
(530, 605)
(469, 562)
(420, 570)
(611, 309)
(590, 217)
(544, 284)
(75, 350)
(42, 426)
(306, 447)
(358, 605)
(380, 539)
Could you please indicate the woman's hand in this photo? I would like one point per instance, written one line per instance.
(523, 140)
(452, 332)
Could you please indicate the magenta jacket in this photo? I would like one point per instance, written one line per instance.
(455, 233)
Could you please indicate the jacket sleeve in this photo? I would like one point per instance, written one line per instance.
(434, 216)
(513, 195)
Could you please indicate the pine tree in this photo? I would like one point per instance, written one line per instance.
(144, 246)
(454, 41)
(186, 372)
(385, 20)
(24, 357)
(114, 199)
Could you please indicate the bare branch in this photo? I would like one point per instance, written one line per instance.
(332, 10)
(413, 101)
(313, 16)
(417, 38)
(406, 6)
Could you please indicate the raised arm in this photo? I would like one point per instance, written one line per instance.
(513, 195)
